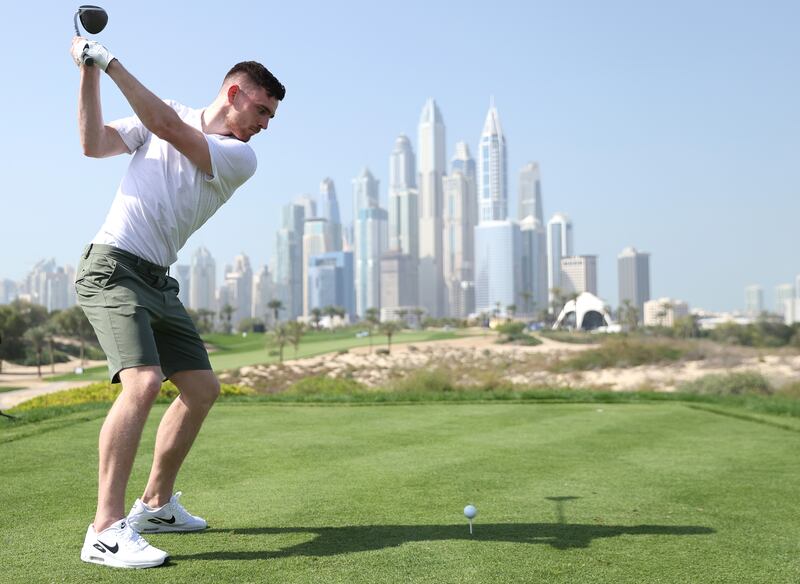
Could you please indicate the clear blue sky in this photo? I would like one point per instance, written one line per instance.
(670, 126)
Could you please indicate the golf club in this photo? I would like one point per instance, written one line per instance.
(93, 19)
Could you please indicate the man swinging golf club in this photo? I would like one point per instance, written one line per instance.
(186, 163)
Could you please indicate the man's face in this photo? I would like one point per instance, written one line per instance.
(252, 109)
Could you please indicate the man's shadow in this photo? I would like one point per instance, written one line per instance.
(331, 541)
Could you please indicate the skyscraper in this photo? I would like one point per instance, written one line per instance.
(202, 280)
(754, 300)
(329, 210)
(262, 294)
(530, 192)
(498, 266)
(365, 193)
(403, 201)
(239, 288)
(783, 293)
(579, 274)
(492, 170)
(315, 242)
(330, 277)
(459, 234)
(182, 274)
(398, 282)
(431, 165)
(559, 245)
(533, 259)
(633, 272)
(289, 257)
(371, 243)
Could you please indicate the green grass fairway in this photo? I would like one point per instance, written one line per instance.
(566, 493)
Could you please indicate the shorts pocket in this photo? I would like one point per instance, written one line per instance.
(95, 274)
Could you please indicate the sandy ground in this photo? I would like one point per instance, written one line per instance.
(20, 376)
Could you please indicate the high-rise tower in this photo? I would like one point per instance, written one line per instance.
(492, 170)
(530, 192)
(329, 210)
(559, 245)
(431, 166)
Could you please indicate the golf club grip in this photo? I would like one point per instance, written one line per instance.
(88, 61)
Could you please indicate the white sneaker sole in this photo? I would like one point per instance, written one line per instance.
(92, 557)
(167, 529)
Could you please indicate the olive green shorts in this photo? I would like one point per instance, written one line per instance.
(134, 308)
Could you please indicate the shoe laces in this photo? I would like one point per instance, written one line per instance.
(179, 509)
(131, 539)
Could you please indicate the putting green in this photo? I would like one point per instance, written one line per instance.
(306, 493)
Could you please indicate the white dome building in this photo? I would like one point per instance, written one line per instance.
(587, 312)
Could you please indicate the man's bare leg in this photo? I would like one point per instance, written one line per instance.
(119, 440)
(199, 390)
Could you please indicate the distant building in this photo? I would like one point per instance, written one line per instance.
(289, 256)
(533, 260)
(431, 165)
(238, 287)
(559, 245)
(783, 294)
(330, 281)
(530, 193)
(459, 243)
(49, 285)
(579, 274)
(262, 294)
(202, 281)
(316, 241)
(754, 300)
(633, 272)
(398, 280)
(664, 311)
(371, 243)
(329, 210)
(182, 273)
(497, 266)
(8, 291)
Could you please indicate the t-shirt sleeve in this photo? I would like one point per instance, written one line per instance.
(132, 132)
(232, 163)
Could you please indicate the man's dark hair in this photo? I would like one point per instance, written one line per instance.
(261, 76)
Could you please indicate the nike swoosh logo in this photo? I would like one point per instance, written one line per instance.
(158, 520)
(113, 550)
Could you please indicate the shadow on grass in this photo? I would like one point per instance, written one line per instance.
(330, 541)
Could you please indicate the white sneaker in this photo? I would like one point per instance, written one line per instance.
(119, 546)
(171, 517)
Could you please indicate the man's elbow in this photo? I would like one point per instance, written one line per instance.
(91, 150)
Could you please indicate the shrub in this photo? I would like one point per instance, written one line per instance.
(424, 381)
(580, 338)
(511, 328)
(323, 385)
(742, 383)
(382, 351)
(620, 353)
(107, 392)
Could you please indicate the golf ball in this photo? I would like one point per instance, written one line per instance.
(470, 511)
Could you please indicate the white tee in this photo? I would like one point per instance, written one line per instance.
(163, 197)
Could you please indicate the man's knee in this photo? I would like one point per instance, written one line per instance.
(144, 382)
(201, 387)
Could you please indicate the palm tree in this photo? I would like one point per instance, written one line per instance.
(373, 319)
(294, 334)
(36, 337)
(526, 298)
(280, 338)
(73, 323)
(418, 312)
(340, 312)
(402, 313)
(276, 306)
(331, 312)
(226, 314)
(49, 336)
(316, 316)
(389, 328)
(511, 310)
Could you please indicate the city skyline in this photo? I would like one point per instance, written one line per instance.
(680, 149)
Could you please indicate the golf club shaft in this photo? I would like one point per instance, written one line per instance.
(88, 61)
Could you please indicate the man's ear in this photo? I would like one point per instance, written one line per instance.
(232, 91)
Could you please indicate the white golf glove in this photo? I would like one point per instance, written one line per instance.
(83, 50)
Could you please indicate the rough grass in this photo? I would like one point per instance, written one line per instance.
(624, 352)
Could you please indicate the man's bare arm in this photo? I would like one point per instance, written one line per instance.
(97, 139)
(161, 119)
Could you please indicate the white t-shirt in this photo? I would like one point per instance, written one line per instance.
(163, 197)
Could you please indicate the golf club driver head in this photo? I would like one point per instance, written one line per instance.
(94, 19)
